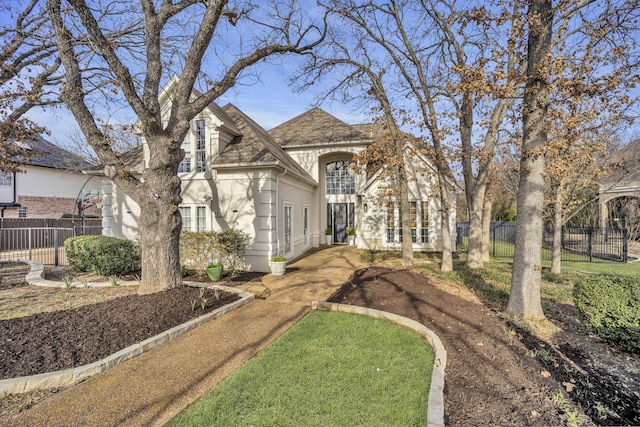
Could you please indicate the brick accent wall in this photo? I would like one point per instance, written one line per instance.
(47, 207)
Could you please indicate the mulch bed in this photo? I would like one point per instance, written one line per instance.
(52, 341)
(489, 378)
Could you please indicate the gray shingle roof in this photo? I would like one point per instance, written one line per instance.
(255, 146)
(49, 155)
(316, 126)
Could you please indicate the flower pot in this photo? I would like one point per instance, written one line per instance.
(351, 239)
(214, 272)
(329, 239)
(278, 268)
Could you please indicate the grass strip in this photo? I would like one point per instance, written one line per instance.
(328, 369)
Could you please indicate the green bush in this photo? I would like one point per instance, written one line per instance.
(610, 306)
(102, 255)
(198, 249)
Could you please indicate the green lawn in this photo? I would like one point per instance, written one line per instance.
(330, 369)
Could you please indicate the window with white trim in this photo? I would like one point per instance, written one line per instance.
(185, 164)
(424, 223)
(419, 220)
(201, 218)
(6, 179)
(22, 212)
(340, 178)
(305, 225)
(201, 146)
(288, 217)
(185, 212)
(194, 218)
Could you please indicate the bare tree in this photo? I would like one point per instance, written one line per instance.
(191, 39)
(29, 74)
(524, 297)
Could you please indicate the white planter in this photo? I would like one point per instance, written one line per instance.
(278, 268)
(352, 240)
(329, 239)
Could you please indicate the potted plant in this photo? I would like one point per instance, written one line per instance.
(214, 271)
(278, 265)
(351, 235)
(329, 235)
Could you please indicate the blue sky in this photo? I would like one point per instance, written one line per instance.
(269, 102)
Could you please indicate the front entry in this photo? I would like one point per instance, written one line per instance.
(340, 216)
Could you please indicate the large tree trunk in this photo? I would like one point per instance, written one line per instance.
(475, 203)
(407, 244)
(160, 222)
(524, 298)
(556, 261)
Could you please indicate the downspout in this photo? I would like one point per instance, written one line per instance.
(277, 207)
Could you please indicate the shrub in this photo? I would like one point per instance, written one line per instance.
(231, 245)
(102, 255)
(198, 249)
(610, 306)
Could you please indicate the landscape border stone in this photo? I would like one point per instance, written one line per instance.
(49, 380)
(435, 413)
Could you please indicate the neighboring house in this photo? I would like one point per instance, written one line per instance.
(50, 185)
(623, 182)
(283, 187)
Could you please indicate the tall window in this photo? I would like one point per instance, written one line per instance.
(414, 215)
(201, 146)
(6, 179)
(391, 222)
(185, 164)
(185, 212)
(340, 178)
(424, 223)
(201, 218)
(305, 225)
(287, 228)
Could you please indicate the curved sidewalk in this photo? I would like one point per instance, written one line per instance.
(153, 387)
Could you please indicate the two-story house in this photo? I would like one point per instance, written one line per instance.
(49, 186)
(283, 187)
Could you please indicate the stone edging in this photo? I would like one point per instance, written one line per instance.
(34, 277)
(65, 377)
(435, 414)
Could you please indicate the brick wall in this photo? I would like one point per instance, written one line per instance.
(48, 207)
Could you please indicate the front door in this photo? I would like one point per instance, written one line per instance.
(341, 216)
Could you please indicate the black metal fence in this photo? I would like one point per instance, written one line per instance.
(44, 244)
(588, 244)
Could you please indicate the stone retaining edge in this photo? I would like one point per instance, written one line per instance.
(435, 413)
(75, 375)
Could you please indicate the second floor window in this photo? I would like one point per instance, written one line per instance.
(195, 150)
(201, 146)
(340, 178)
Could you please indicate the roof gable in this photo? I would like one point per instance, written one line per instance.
(316, 126)
(254, 146)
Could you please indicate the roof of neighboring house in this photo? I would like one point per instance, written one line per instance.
(48, 155)
(314, 127)
(254, 146)
(624, 164)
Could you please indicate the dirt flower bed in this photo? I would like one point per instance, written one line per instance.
(498, 373)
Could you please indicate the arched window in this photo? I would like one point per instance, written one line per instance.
(340, 178)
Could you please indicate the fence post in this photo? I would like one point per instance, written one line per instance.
(590, 244)
(55, 246)
(625, 245)
(29, 242)
(493, 240)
